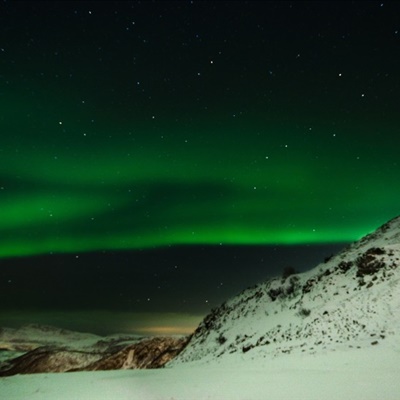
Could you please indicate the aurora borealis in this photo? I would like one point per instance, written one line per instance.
(146, 125)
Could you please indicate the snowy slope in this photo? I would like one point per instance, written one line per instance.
(350, 301)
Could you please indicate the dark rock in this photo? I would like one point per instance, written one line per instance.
(245, 349)
(368, 264)
(345, 266)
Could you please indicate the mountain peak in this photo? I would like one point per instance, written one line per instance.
(388, 233)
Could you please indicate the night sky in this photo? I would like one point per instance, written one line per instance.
(158, 157)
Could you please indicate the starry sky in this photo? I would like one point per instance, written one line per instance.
(187, 145)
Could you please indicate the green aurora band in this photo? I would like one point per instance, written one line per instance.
(239, 124)
(81, 186)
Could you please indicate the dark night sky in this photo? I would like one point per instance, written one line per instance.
(157, 157)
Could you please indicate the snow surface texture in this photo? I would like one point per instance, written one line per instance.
(329, 333)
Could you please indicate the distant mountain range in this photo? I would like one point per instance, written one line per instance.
(38, 349)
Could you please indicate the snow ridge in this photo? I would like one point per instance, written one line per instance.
(349, 301)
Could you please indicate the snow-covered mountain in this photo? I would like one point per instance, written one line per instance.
(35, 334)
(352, 300)
(16, 342)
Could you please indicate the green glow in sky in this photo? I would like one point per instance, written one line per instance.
(249, 185)
(107, 147)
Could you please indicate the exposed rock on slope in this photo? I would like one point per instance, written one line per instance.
(351, 300)
(148, 353)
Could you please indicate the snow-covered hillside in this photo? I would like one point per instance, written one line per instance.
(350, 301)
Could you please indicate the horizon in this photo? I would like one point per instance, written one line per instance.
(140, 292)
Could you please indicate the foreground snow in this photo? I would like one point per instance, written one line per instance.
(354, 374)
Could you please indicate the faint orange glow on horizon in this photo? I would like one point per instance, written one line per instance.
(166, 330)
